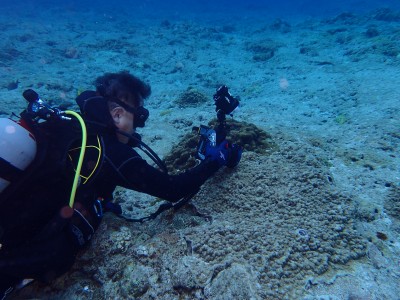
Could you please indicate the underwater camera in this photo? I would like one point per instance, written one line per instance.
(225, 104)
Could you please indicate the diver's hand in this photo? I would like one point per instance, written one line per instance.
(226, 154)
(234, 155)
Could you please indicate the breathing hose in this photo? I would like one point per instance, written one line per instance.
(81, 156)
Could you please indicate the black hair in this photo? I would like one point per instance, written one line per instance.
(122, 86)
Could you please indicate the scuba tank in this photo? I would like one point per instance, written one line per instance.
(18, 147)
(17, 151)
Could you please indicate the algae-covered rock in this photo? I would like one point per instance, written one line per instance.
(392, 203)
(191, 273)
(191, 98)
(387, 15)
(281, 216)
(264, 50)
(366, 211)
(249, 136)
(234, 282)
(182, 156)
(135, 281)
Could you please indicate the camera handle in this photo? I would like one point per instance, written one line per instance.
(221, 129)
(225, 104)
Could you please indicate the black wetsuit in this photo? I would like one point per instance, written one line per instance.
(124, 167)
(44, 257)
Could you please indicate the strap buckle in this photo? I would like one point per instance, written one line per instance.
(98, 207)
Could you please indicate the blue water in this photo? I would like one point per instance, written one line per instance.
(138, 9)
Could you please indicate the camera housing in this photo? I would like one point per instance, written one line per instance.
(225, 104)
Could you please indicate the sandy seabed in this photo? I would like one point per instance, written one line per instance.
(319, 218)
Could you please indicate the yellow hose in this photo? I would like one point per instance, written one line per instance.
(81, 156)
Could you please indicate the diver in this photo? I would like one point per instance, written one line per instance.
(41, 237)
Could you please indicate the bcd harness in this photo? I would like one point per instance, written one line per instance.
(76, 150)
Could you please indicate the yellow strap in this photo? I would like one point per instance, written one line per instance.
(98, 147)
(81, 156)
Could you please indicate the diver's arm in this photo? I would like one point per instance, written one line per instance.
(140, 176)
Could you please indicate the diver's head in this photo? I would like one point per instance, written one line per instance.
(117, 102)
(125, 96)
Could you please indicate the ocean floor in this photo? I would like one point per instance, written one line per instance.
(316, 218)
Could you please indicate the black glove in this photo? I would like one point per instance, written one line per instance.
(234, 155)
(226, 154)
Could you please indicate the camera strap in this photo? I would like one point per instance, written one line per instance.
(164, 207)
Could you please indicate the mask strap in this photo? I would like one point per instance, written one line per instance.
(127, 107)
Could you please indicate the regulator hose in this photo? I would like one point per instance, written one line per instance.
(81, 156)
